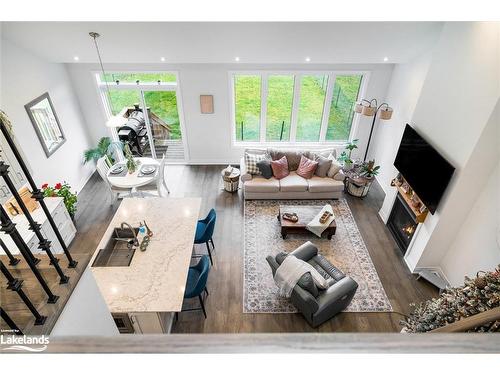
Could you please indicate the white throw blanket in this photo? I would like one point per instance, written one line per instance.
(291, 270)
(315, 226)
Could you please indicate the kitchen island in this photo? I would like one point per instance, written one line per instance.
(151, 288)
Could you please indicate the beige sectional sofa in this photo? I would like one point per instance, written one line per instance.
(293, 186)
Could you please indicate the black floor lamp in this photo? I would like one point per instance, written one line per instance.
(371, 108)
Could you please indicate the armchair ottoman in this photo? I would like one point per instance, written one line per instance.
(318, 306)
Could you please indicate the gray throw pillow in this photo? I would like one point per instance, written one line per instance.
(306, 281)
(292, 156)
(324, 165)
(265, 168)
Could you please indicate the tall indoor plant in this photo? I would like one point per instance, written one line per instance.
(104, 148)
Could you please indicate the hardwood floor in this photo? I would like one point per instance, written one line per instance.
(224, 304)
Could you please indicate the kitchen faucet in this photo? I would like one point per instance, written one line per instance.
(136, 241)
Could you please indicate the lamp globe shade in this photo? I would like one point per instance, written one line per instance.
(386, 113)
(368, 110)
(358, 107)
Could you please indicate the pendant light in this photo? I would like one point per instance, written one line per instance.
(113, 121)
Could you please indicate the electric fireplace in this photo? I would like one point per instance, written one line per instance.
(402, 223)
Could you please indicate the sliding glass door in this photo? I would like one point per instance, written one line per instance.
(159, 94)
(164, 121)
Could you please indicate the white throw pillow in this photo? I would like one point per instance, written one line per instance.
(251, 161)
(335, 168)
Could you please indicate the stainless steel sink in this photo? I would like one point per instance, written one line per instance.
(119, 249)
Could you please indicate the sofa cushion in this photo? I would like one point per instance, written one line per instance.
(329, 268)
(259, 184)
(280, 168)
(335, 167)
(324, 185)
(293, 182)
(292, 156)
(265, 168)
(251, 161)
(323, 152)
(324, 165)
(307, 167)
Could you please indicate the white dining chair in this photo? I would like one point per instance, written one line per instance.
(158, 184)
(115, 192)
(116, 151)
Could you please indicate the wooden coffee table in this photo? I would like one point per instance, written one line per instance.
(305, 214)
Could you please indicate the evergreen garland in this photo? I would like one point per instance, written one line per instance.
(477, 295)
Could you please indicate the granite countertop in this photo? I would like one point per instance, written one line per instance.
(22, 224)
(156, 278)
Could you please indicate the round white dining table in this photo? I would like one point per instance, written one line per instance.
(132, 180)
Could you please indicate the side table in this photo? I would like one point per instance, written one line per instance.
(356, 185)
(231, 179)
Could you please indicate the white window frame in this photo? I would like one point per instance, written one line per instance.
(297, 74)
(141, 87)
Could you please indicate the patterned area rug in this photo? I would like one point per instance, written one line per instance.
(346, 250)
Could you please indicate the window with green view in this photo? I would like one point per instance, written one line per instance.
(247, 102)
(141, 77)
(312, 102)
(279, 107)
(345, 95)
(296, 106)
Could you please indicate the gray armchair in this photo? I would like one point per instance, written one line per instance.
(318, 306)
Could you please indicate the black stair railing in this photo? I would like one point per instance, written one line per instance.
(36, 192)
(12, 325)
(9, 228)
(44, 244)
(16, 285)
(12, 259)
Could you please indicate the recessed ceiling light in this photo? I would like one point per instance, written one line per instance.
(236, 58)
(162, 59)
(386, 59)
(76, 58)
(308, 59)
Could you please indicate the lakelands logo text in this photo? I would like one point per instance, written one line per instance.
(24, 343)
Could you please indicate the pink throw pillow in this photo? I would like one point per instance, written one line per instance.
(307, 167)
(280, 168)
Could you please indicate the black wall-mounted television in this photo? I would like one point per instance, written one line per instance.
(427, 172)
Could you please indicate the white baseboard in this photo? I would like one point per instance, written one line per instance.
(85, 180)
(383, 215)
(434, 275)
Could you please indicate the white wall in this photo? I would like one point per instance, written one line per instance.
(457, 101)
(455, 113)
(24, 78)
(475, 246)
(86, 312)
(404, 90)
(209, 136)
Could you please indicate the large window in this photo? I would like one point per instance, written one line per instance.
(159, 93)
(279, 107)
(247, 107)
(345, 94)
(311, 104)
(295, 107)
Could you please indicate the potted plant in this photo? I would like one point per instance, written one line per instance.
(64, 191)
(132, 164)
(104, 148)
(346, 157)
(369, 170)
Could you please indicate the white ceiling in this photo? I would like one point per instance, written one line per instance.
(204, 42)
